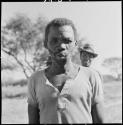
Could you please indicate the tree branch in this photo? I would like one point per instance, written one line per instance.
(18, 61)
(25, 59)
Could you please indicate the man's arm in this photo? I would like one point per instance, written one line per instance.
(97, 112)
(33, 115)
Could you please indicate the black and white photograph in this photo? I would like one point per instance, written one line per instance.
(61, 62)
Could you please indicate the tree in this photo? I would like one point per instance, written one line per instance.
(7, 65)
(114, 64)
(23, 40)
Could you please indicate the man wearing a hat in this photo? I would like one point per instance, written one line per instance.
(87, 54)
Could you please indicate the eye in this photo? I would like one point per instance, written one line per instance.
(91, 56)
(68, 41)
(53, 41)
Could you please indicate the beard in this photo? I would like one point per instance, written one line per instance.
(60, 57)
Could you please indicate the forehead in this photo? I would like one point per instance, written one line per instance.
(62, 31)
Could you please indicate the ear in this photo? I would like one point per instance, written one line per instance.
(45, 43)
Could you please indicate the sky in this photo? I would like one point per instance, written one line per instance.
(99, 22)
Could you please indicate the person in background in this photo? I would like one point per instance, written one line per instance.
(64, 92)
(87, 54)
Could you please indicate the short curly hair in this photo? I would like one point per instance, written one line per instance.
(58, 22)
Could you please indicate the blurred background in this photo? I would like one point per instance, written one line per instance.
(22, 51)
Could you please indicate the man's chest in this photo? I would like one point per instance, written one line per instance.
(58, 81)
(72, 90)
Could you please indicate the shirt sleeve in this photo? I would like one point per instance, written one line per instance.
(98, 95)
(31, 92)
(101, 77)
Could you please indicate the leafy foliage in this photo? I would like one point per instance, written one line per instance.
(114, 64)
(23, 40)
(7, 65)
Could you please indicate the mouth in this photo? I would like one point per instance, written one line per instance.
(61, 54)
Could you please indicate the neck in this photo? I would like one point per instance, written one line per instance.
(60, 67)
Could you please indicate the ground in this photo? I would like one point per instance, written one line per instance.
(14, 110)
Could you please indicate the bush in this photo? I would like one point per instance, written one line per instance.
(14, 91)
(108, 78)
(22, 82)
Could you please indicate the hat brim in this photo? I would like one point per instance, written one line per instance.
(94, 54)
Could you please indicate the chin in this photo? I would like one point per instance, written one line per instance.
(85, 65)
(61, 60)
(88, 65)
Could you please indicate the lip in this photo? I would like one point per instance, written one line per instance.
(61, 54)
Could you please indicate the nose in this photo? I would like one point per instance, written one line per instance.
(63, 46)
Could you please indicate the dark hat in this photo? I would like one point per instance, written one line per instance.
(88, 48)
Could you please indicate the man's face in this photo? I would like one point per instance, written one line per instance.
(61, 42)
(86, 58)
